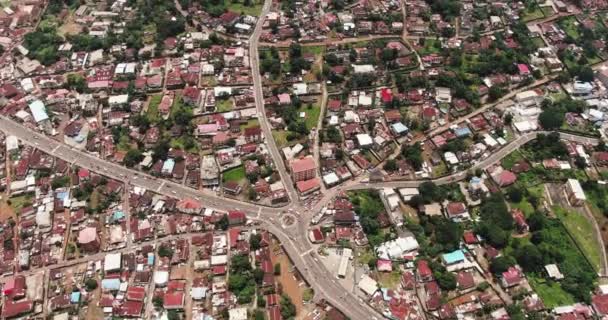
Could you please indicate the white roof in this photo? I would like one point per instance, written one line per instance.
(525, 126)
(395, 249)
(576, 189)
(363, 68)
(525, 95)
(367, 285)
(161, 277)
(38, 111)
(119, 99)
(300, 88)
(219, 260)
(112, 262)
(364, 139)
(450, 157)
(331, 178)
(237, 313)
(553, 271)
(12, 143)
(408, 193)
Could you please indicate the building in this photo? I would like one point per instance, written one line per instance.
(511, 277)
(574, 192)
(344, 261)
(210, 172)
(88, 239)
(303, 169)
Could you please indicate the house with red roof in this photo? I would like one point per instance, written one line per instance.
(174, 300)
(465, 280)
(520, 220)
(469, 237)
(189, 206)
(303, 169)
(12, 308)
(316, 235)
(236, 217)
(386, 94)
(510, 278)
(424, 271)
(129, 309)
(457, 211)
(599, 302)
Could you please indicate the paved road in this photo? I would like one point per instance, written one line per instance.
(259, 104)
(118, 172)
(492, 159)
(293, 239)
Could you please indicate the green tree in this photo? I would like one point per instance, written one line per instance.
(133, 157)
(223, 223)
(288, 309)
(91, 284)
(390, 165)
(501, 264)
(551, 119)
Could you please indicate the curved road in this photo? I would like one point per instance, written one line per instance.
(293, 239)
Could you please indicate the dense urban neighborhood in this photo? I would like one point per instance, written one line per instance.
(310, 160)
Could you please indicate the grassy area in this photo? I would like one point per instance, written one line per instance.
(20, 202)
(538, 41)
(533, 14)
(509, 161)
(440, 170)
(238, 7)
(582, 231)
(280, 137)
(550, 292)
(152, 112)
(389, 280)
(547, 11)
(524, 205)
(365, 256)
(430, 46)
(570, 26)
(223, 105)
(94, 199)
(235, 174)
(312, 114)
(250, 123)
(182, 142)
(371, 158)
(316, 50)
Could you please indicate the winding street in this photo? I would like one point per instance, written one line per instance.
(293, 239)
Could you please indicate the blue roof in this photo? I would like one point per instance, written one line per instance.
(399, 128)
(461, 132)
(118, 215)
(110, 284)
(38, 111)
(453, 257)
(151, 258)
(61, 195)
(168, 165)
(75, 297)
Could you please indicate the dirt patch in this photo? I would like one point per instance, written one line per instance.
(6, 211)
(290, 281)
(69, 27)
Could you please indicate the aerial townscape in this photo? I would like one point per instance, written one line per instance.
(303, 160)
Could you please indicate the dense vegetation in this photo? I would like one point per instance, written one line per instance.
(241, 281)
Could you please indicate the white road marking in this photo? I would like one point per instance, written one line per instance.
(306, 252)
(55, 149)
(160, 187)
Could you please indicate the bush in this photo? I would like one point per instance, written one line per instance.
(277, 269)
(91, 284)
